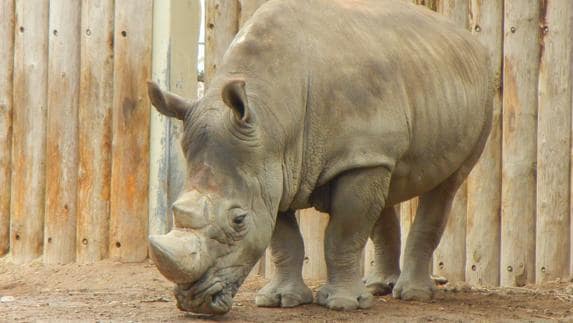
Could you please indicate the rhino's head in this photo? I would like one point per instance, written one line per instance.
(224, 220)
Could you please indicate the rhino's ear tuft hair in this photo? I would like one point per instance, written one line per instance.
(235, 97)
(167, 103)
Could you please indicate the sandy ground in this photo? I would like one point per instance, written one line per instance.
(137, 292)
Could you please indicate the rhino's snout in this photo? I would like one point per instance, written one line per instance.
(179, 256)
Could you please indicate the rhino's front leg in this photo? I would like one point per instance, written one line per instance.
(357, 200)
(286, 288)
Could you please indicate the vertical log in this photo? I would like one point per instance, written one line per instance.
(159, 210)
(6, 77)
(484, 183)
(450, 256)
(130, 149)
(175, 36)
(554, 138)
(95, 112)
(369, 255)
(62, 132)
(520, 70)
(185, 20)
(312, 225)
(29, 130)
(222, 23)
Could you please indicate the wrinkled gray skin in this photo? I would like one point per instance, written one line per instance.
(346, 106)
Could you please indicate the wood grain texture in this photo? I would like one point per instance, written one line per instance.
(312, 226)
(185, 20)
(159, 208)
(554, 142)
(62, 132)
(95, 115)
(369, 256)
(6, 87)
(221, 25)
(450, 255)
(175, 36)
(130, 148)
(484, 183)
(519, 155)
(29, 130)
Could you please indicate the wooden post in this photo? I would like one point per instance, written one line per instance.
(520, 70)
(450, 256)
(185, 21)
(313, 224)
(29, 130)
(175, 36)
(6, 74)
(554, 137)
(130, 150)
(484, 183)
(369, 254)
(95, 113)
(62, 132)
(159, 209)
(221, 25)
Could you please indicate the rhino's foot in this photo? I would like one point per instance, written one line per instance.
(343, 298)
(414, 290)
(379, 285)
(283, 294)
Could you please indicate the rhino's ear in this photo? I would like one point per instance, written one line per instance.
(168, 103)
(235, 97)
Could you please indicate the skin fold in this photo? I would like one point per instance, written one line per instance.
(350, 107)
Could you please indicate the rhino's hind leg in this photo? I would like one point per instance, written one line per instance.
(386, 238)
(357, 201)
(415, 282)
(286, 288)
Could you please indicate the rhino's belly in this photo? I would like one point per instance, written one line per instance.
(421, 171)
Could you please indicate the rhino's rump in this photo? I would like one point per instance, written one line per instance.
(402, 86)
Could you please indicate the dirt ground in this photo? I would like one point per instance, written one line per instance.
(137, 292)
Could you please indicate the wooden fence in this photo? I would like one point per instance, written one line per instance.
(88, 169)
(76, 127)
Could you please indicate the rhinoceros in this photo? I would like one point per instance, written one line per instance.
(347, 106)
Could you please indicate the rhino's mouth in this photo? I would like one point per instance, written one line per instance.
(207, 295)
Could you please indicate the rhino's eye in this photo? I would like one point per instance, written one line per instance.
(238, 217)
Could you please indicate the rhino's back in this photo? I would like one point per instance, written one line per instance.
(389, 82)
